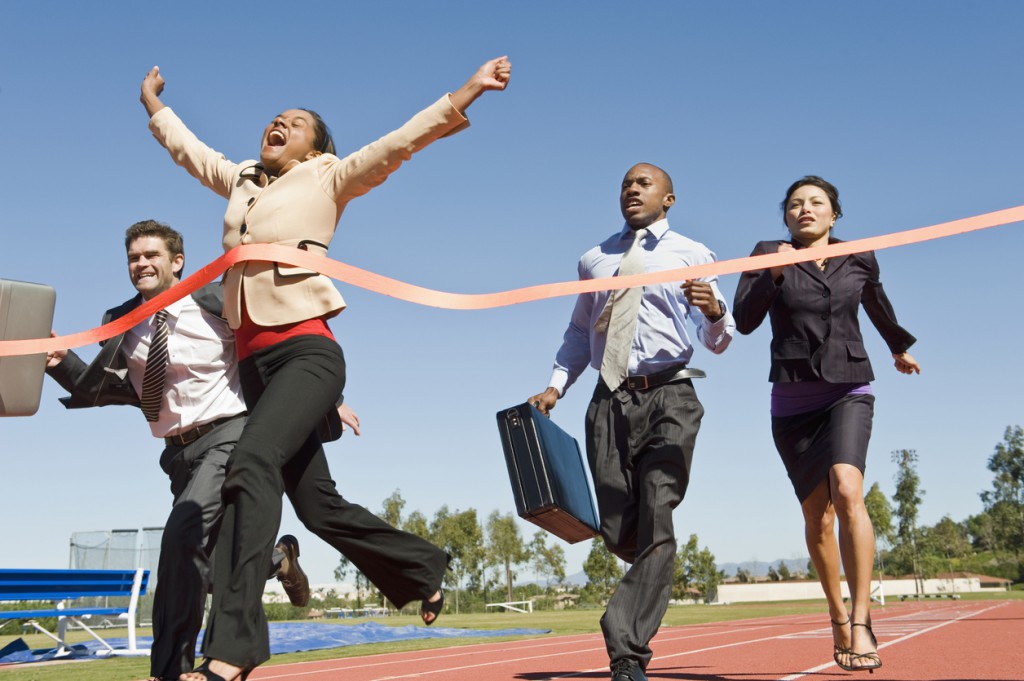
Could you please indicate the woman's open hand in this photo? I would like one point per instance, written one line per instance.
(906, 364)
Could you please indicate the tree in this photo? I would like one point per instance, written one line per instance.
(1006, 498)
(812, 572)
(942, 546)
(948, 539)
(982, 530)
(880, 513)
(908, 499)
(742, 576)
(784, 574)
(392, 511)
(548, 561)
(460, 535)
(686, 558)
(695, 569)
(416, 523)
(602, 570)
(343, 565)
(504, 546)
(772, 574)
(362, 581)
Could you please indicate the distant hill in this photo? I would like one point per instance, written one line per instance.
(578, 578)
(760, 568)
(575, 579)
(755, 568)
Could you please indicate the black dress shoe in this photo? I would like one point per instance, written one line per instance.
(627, 669)
(290, 574)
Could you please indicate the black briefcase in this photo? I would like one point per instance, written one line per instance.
(549, 482)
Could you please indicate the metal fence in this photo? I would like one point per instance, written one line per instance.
(120, 550)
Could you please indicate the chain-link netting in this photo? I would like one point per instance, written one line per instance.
(120, 550)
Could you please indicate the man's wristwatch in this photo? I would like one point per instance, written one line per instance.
(721, 307)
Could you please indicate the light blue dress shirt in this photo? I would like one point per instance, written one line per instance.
(661, 338)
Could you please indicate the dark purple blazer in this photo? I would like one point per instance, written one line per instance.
(815, 332)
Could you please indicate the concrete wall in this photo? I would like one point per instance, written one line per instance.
(804, 590)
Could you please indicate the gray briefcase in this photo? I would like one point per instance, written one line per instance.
(26, 311)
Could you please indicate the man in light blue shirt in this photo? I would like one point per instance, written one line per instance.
(643, 418)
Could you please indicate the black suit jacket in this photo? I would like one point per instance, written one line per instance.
(815, 331)
(105, 381)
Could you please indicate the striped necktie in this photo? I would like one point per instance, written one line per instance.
(620, 315)
(156, 369)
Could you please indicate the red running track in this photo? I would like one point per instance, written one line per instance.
(937, 641)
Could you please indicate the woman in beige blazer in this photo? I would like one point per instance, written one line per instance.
(292, 369)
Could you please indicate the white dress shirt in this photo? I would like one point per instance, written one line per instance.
(201, 383)
(661, 338)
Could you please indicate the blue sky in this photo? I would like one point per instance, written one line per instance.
(912, 109)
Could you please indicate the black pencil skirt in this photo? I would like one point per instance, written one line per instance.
(810, 444)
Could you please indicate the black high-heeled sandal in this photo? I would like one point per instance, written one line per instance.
(204, 669)
(874, 660)
(432, 608)
(837, 649)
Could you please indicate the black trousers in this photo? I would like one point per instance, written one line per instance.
(640, 446)
(184, 573)
(288, 388)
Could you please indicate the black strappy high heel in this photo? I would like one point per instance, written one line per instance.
(432, 608)
(837, 649)
(204, 669)
(874, 661)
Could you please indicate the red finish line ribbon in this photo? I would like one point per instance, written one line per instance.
(480, 301)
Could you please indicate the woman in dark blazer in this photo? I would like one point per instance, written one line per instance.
(822, 404)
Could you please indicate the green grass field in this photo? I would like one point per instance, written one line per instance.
(559, 622)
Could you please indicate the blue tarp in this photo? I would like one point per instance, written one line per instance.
(290, 637)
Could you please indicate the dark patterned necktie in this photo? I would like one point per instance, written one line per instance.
(156, 369)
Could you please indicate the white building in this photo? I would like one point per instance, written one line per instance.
(943, 585)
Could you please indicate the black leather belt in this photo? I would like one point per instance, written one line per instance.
(661, 378)
(193, 434)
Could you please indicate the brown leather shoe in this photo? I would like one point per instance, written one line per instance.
(290, 574)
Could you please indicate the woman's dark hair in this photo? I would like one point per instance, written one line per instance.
(824, 185)
(323, 140)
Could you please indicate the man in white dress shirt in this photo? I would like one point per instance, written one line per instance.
(644, 415)
(201, 414)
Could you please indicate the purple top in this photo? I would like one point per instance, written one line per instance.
(789, 399)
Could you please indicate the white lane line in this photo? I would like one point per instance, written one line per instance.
(456, 653)
(430, 654)
(712, 628)
(766, 639)
(720, 628)
(911, 635)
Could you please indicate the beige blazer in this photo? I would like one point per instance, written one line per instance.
(301, 208)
